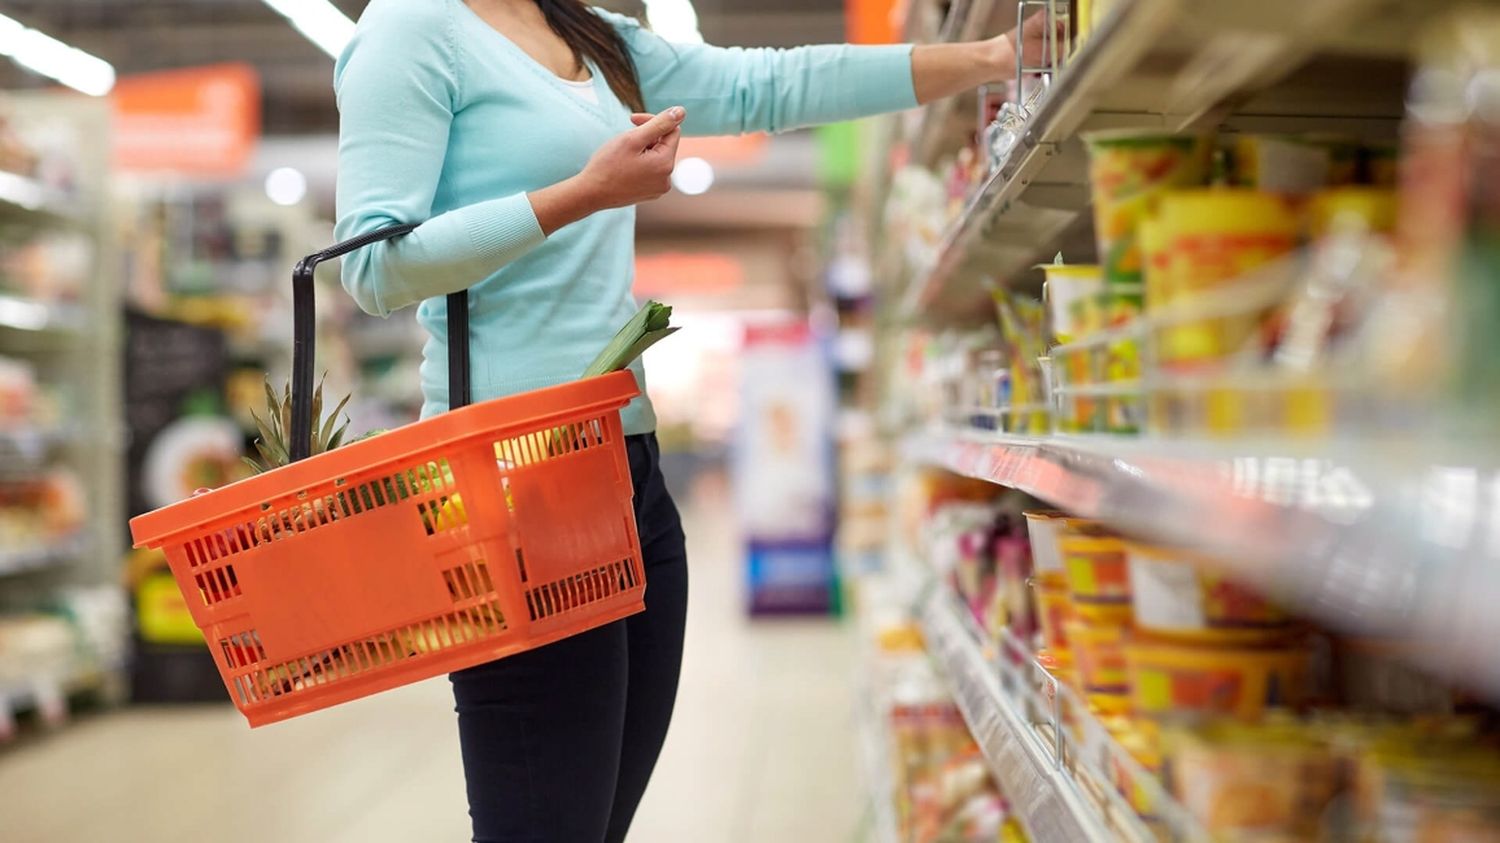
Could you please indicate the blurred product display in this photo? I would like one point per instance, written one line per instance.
(1189, 412)
(62, 620)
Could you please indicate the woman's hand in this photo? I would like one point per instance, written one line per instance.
(1036, 46)
(942, 70)
(630, 168)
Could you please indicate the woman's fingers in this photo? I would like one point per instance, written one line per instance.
(667, 146)
(651, 132)
(640, 119)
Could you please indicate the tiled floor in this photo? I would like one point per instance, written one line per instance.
(761, 750)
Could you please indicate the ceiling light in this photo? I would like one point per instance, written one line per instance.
(674, 20)
(286, 186)
(693, 176)
(319, 20)
(54, 59)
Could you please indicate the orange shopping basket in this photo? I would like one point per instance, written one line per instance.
(470, 536)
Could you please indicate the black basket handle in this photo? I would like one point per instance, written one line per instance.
(304, 330)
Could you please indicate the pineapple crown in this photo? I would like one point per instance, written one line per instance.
(276, 428)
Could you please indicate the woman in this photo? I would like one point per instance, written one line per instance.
(520, 133)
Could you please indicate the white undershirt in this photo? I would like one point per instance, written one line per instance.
(585, 90)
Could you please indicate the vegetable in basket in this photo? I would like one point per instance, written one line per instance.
(649, 326)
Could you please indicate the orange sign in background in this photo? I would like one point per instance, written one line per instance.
(874, 21)
(687, 273)
(201, 121)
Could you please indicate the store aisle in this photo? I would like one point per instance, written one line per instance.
(761, 750)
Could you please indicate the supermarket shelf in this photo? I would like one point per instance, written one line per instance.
(1171, 65)
(1397, 538)
(48, 693)
(1048, 801)
(24, 560)
(27, 449)
(22, 314)
(25, 198)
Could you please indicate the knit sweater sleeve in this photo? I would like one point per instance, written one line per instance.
(398, 85)
(736, 90)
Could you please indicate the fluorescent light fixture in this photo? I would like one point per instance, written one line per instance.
(286, 186)
(674, 20)
(693, 176)
(319, 20)
(53, 59)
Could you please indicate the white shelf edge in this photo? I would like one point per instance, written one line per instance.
(1353, 535)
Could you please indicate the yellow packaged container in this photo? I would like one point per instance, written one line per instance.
(1067, 285)
(1098, 575)
(1369, 209)
(1054, 606)
(1157, 263)
(1174, 596)
(1267, 782)
(1100, 651)
(1175, 680)
(1142, 744)
(1107, 704)
(1129, 172)
(1216, 237)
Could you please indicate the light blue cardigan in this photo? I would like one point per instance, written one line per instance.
(445, 121)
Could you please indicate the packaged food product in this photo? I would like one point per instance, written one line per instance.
(1013, 570)
(1370, 209)
(1108, 703)
(1100, 651)
(1261, 783)
(1054, 608)
(1174, 597)
(1421, 788)
(1216, 237)
(1156, 264)
(1123, 413)
(1065, 286)
(1044, 527)
(1142, 744)
(1098, 574)
(1129, 171)
(1293, 164)
(1174, 680)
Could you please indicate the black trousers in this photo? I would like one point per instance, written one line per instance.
(558, 743)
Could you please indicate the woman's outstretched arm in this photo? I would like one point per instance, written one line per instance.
(942, 70)
(734, 90)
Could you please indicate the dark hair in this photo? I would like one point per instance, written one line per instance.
(595, 39)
